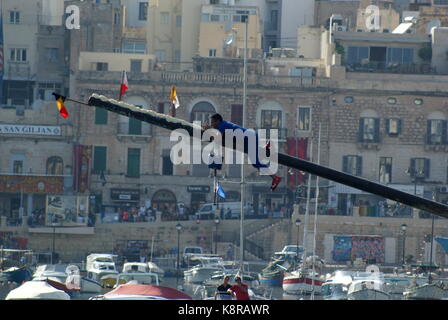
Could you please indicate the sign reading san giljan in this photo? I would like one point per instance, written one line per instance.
(30, 129)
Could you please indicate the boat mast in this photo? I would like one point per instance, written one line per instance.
(315, 217)
(308, 196)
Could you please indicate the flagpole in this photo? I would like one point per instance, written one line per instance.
(121, 83)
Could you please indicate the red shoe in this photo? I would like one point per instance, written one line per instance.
(275, 182)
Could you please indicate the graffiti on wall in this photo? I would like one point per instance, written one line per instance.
(369, 248)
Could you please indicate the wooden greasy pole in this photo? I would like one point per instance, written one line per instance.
(171, 123)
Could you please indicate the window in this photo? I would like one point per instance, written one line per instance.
(135, 126)
(177, 56)
(164, 107)
(352, 165)
(419, 168)
(143, 11)
(102, 66)
(55, 165)
(214, 18)
(134, 47)
(369, 130)
(160, 55)
(17, 166)
(418, 102)
(301, 72)
(133, 163)
(393, 126)
(237, 114)
(14, 17)
(212, 52)
(164, 17)
(202, 112)
(274, 20)
(45, 90)
(304, 118)
(357, 54)
(99, 159)
(391, 100)
(205, 17)
(136, 65)
(349, 99)
(167, 165)
(178, 21)
(117, 18)
(385, 170)
(237, 18)
(400, 55)
(271, 119)
(17, 54)
(100, 116)
(52, 54)
(436, 132)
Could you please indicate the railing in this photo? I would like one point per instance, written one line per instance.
(171, 77)
(202, 77)
(391, 68)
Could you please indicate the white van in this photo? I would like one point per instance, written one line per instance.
(208, 210)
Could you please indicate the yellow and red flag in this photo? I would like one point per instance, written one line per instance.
(60, 103)
(173, 97)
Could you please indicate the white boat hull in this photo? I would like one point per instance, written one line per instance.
(301, 284)
(368, 294)
(199, 275)
(89, 285)
(425, 292)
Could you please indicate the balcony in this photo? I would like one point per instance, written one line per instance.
(18, 71)
(202, 79)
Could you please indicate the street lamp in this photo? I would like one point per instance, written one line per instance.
(178, 228)
(216, 234)
(298, 230)
(403, 228)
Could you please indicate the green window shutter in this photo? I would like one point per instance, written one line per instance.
(135, 126)
(99, 159)
(133, 162)
(100, 116)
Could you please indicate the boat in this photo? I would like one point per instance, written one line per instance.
(101, 267)
(336, 286)
(156, 269)
(15, 274)
(368, 289)
(37, 290)
(132, 291)
(58, 273)
(204, 270)
(272, 275)
(302, 281)
(137, 278)
(426, 291)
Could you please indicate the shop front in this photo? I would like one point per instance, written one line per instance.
(198, 196)
(24, 195)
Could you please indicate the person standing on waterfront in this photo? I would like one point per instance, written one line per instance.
(240, 290)
(222, 292)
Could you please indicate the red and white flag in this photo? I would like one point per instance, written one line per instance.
(124, 84)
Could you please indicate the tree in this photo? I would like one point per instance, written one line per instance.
(425, 53)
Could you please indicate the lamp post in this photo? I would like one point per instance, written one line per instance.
(403, 228)
(178, 228)
(53, 224)
(298, 230)
(216, 234)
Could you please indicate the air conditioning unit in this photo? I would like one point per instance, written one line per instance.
(443, 189)
(341, 28)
